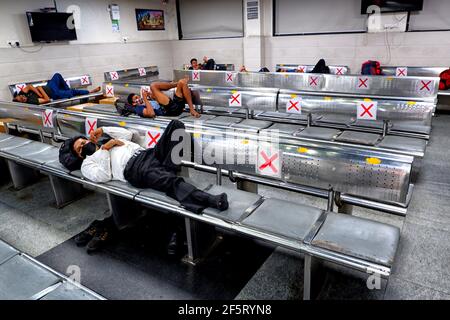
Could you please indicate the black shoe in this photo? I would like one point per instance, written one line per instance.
(172, 247)
(99, 241)
(84, 237)
(220, 202)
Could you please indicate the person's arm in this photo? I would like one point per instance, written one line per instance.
(30, 87)
(97, 167)
(116, 133)
(149, 112)
(43, 101)
(43, 93)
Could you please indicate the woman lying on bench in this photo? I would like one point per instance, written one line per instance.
(109, 154)
(56, 89)
(156, 103)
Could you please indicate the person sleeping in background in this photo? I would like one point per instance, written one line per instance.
(55, 89)
(156, 103)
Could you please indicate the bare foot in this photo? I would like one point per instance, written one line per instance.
(96, 90)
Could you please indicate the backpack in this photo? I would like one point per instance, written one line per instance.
(444, 84)
(124, 108)
(371, 68)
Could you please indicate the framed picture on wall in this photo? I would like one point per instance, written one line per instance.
(148, 19)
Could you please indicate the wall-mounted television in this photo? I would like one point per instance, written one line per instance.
(51, 26)
(392, 6)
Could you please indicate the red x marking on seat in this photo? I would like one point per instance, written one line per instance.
(339, 71)
(366, 110)
(235, 98)
(109, 91)
(20, 86)
(195, 75)
(269, 161)
(153, 139)
(363, 83)
(425, 85)
(313, 81)
(84, 80)
(114, 76)
(401, 72)
(91, 126)
(293, 105)
(301, 69)
(230, 77)
(47, 120)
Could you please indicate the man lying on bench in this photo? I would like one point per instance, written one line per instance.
(156, 103)
(56, 89)
(109, 154)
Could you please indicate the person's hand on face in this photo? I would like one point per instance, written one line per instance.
(95, 135)
(137, 100)
(79, 145)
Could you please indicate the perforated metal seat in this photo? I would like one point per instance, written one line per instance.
(4, 137)
(124, 188)
(365, 138)
(284, 128)
(239, 202)
(378, 124)
(252, 124)
(403, 143)
(101, 108)
(337, 119)
(55, 165)
(357, 237)
(411, 126)
(203, 117)
(44, 157)
(6, 252)
(283, 218)
(223, 121)
(12, 143)
(318, 133)
(27, 151)
(67, 291)
(22, 279)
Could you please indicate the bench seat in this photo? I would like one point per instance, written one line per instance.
(284, 218)
(6, 252)
(360, 238)
(239, 203)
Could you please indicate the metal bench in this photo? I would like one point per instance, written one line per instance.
(338, 70)
(320, 235)
(24, 278)
(78, 82)
(304, 160)
(147, 74)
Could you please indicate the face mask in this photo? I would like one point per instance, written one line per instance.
(88, 149)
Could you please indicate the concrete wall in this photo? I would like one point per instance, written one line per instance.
(98, 48)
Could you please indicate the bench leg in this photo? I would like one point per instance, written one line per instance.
(201, 240)
(247, 186)
(65, 191)
(345, 208)
(21, 176)
(313, 278)
(4, 174)
(125, 212)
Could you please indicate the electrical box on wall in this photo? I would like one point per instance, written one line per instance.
(115, 12)
(387, 22)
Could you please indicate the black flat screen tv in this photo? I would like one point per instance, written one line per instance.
(392, 6)
(51, 26)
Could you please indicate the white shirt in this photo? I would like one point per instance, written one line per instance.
(103, 165)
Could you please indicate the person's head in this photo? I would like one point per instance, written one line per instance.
(71, 153)
(134, 99)
(20, 97)
(194, 63)
(83, 147)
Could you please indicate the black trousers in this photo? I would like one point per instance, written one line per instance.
(154, 168)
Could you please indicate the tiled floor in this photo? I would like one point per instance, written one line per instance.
(30, 222)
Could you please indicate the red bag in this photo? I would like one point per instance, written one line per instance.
(444, 84)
